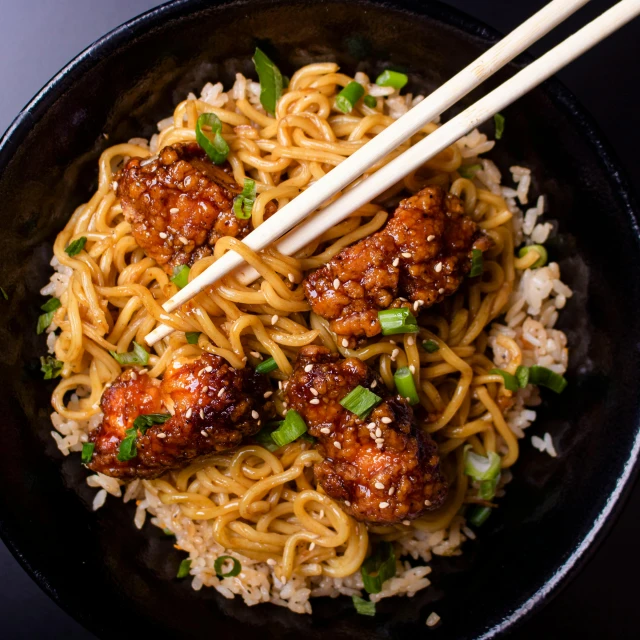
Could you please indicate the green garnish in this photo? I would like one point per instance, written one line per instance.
(146, 420)
(87, 452)
(267, 366)
(234, 571)
(405, 385)
(360, 401)
(168, 532)
(395, 321)
(538, 248)
(393, 79)
(378, 568)
(264, 439)
(45, 319)
(487, 490)
(370, 102)
(128, 449)
(544, 377)
(210, 138)
(50, 367)
(347, 98)
(364, 607)
(243, 204)
(522, 376)
(430, 346)
(138, 356)
(184, 568)
(469, 171)
(76, 247)
(51, 305)
(192, 336)
(271, 81)
(510, 381)
(498, 119)
(292, 427)
(4, 293)
(478, 515)
(479, 467)
(181, 276)
(477, 263)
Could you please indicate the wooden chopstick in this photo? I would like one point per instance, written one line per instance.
(272, 229)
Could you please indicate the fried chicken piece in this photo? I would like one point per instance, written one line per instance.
(212, 405)
(383, 469)
(419, 258)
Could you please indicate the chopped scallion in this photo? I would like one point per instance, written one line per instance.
(128, 449)
(477, 263)
(360, 401)
(266, 366)
(234, 571)
(271, 81)
(138, 356)
(378, 568)
(469, 170)
(4, 293)
(292, 427)
(405, 385)
(168, 532)
(393, 79)
(146, 420)
(478, 515)
(181, 276)
(430, 346)
(51, 305)
(510, 381)
(87, 452)
(498, 119)
(540, 250)
(544, 377)
(395, 321)
(76, 247)
(364, 607)
(347, 98)
(264, 439)
(184, 568)
(243, 204)
(51, 367)
(192, 336)
(370, 102)
(209, 137)
(479, 467)
(487, 489)
(522, 376)
(44, 320)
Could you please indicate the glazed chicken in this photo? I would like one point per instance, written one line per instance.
(208, 406)
(419, 258)
(179, 204)
(383, 469)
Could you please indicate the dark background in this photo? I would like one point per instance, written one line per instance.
(37, 37)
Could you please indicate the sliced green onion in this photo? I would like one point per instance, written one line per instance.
(270, 81)
(168, 532)
(477, 263)
(292, 427)
(128, 450)
(192, 336)
(51, 367)
(184, 568)
(144, 421)
(234, 571)
(479, 467)
(378, 568)
(370, 102)
(498, 119)
(544, 377)
(243, 204)
(264, 439)
(347, 98)
(430, 346)
(138, 356)
(395, 321)
(405, 385)
(538, 248)
(44, 321)
(477, 515)
(76, 247)
(393, 79)
(212, 142)
(364, 607)
(522, 376)
(267, 366)
(181, 276)
(360, 401)
(469, 171)
(87, 452)
(51, 305)
(487, 489)
(4, 293)
(510, 381)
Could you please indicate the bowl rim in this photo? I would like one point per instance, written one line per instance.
(452, 17)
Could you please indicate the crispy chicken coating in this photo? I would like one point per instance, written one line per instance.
(382, 469)
(212, 407)
(419, 258)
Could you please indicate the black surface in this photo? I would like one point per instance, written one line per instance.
(604, 612)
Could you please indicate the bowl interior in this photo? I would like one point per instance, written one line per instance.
(119, 90)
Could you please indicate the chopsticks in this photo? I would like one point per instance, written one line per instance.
(351, 168)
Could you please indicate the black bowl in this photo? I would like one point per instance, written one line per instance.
(118, 581)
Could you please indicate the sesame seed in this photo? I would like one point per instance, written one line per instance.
(371, 425)
(204, 433)
(163, 235)
(255, 415)
(274, 319)
(221, 392)
(176, 365)
(267, 394)
(427, 503)
(395, 353)
(440, 291)
(386, 420)
(205, 389)
(345, 342)
(379, 440)
(406, 523)
(416, 306)
(162, 435)
(438, 267)
(314, 401)
(374, 384)
(312, 546)
(292, 278)
(114, 185)
(174, 210)
(347, 503)
(378, 485)
(410, 341)
(308, 368)
(280, 385)
(183, 240)
(271, 562)
(336, 283)
(208, 369)
(379, 445)
(255, 354)
(325, 430)
(392, 341)
(314, 392)
(430, 238)
(406, 254)
(189, 412)
(392, 491)
(383, 505)
(378, 432)
(412, 368)
(337, 445)
(202, 413)
(396, 262)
